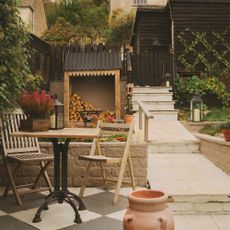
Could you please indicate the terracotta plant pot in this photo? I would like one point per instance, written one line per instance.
(128, 118)
(148, 210)
(226, 133)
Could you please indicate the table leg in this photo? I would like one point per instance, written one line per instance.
(61, 192)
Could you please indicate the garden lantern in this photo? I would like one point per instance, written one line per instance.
(196, 108)
(57, 116)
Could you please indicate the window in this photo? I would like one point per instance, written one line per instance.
(140, 2)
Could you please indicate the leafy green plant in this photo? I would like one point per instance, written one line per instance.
(218, 114)
(128, 105)
(14, 68)
(225, 125)
(184, 89)
(210, 130)
(35, 83)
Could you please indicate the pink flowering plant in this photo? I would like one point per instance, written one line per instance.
(36, 104)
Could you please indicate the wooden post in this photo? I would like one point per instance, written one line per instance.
(66, 98)
(117, 95)
(140, 118)
(146, 128)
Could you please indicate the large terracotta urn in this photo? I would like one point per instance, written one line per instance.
(148, 210)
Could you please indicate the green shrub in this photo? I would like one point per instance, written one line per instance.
(184, 89)
(218, 114)
(210, 130)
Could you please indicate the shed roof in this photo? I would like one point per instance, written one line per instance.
(89, 58)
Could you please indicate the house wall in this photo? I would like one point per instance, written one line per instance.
(198, 16)
(127, 5)
(40, 23)
(26, 14)
(150, 63)
(33, 15)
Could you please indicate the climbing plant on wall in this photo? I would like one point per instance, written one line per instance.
(13, 54)
(211, 50)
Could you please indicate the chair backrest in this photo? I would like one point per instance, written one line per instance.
(11, 123)
(118, 129)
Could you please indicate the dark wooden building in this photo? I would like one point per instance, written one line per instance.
(155, 42)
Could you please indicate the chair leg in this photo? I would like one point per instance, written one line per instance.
(8, 184)
(103, 174)
(44, 173)
(131, 172)
(119, 182)
(83, 185)
(13, 184)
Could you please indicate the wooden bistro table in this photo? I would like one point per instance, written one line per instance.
(60, 150)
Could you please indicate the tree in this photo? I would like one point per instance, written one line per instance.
(62, 33)
(120, 26)
(13, 54)
(88, 19)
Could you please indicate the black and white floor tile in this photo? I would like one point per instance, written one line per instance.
(100, 213)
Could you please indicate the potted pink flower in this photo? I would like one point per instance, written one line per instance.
(37, 106)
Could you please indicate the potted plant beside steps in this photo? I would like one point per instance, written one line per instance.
(37, 107)
(225, 128)
(128, 117)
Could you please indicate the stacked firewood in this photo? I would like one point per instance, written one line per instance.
(76, 105)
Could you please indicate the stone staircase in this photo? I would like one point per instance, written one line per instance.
(159, 102)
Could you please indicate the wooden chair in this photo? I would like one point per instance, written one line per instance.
(19, 150)
(108, 129)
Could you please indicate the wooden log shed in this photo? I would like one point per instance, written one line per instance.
(92, 61)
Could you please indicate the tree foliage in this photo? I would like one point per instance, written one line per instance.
(86, 22)
(13, 62)
(61, 33)
(120, 26)
(86, 19)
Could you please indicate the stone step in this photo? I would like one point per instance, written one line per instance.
(166, 147)
(153, 89)
(156, 105)
(152, 97)
(165, 115)
(200, 204)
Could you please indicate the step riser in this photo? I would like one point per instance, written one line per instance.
(200, 207)
(165, 116)
(178, 148)
(151, 90)
(156, 106)
(157, 97)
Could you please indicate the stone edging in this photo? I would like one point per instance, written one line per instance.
(216, 149)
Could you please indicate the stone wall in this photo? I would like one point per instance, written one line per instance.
(216, 150)
(76, 168)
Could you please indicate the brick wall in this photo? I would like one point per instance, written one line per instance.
(76, 168)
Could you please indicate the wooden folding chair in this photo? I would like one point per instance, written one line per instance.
(19, 150)
(109, 129)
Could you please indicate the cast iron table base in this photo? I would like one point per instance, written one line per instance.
(61, 193)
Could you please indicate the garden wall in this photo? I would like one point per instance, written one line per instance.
(76, 168)
(216, 150)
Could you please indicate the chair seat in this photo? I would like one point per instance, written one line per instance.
(30, 156)
(97, 158)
